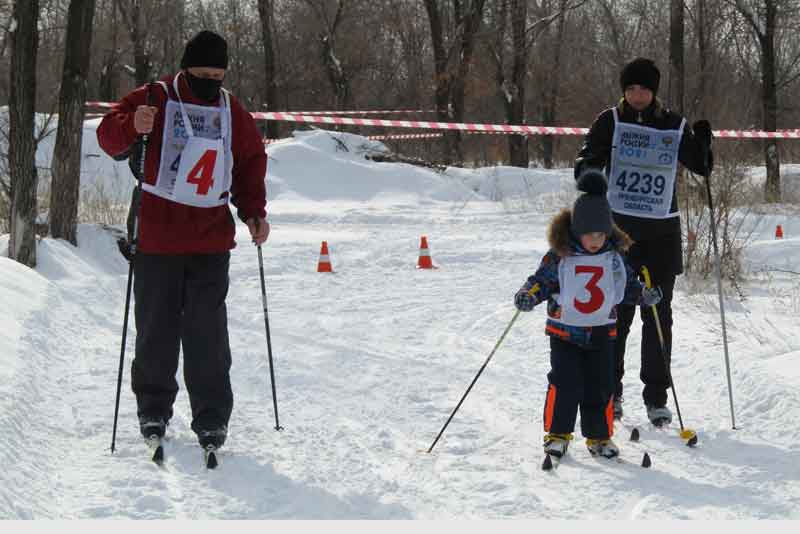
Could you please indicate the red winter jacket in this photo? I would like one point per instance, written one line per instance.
(167, 227)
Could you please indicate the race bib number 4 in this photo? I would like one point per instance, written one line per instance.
(202, 174)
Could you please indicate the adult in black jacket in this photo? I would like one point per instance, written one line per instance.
(635, 143)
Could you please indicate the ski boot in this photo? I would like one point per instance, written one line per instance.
(659, 415)
(557, 444)
(211, 440)
(602, 447)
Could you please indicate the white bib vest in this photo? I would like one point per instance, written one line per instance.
(644, 164)
(590, 286)
(196, 159)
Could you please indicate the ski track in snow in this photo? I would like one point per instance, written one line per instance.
(370, 361)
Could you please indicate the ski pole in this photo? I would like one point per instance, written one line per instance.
(134, 240)
(531, 292)
(718, 274)
(266, 326)
(689, 435)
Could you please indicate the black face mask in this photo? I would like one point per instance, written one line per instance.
(204, 88)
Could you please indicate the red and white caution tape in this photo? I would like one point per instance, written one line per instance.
(363, 112)
(758, 134)
(102, 105)
(320, 117)
(495, 128)
(109, 105)
(429, 125)
(404, 136)
(389, 137)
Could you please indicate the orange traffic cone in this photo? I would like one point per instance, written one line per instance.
(778, 232)
(324, 265)
(424, 261)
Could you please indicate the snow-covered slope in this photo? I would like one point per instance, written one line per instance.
(371, 360)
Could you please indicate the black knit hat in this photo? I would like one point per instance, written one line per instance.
(640, 71)
(206, 49)
(591, 211)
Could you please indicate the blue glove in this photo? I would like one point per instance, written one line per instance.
(651, 296)
(523, 300)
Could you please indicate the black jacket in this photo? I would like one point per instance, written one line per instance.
(596, 152)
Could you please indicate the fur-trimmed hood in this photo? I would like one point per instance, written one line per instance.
(561, 241)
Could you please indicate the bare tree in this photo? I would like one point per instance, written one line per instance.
(511, 87)
(65, 187)
(109, 72)
(22, 146)
(452, 63)
(337, 72)
(551, 74)
(702, 31)
(512, 75)
(761, 16)
(265, 12)
(136, 15)
(676, 69)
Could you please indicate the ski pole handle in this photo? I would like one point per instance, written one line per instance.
(647, 280)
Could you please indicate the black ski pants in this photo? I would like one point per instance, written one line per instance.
(654, 373)
(180, 303)
(580, 378)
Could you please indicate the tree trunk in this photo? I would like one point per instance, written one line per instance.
(337, 75)
(65, 188)
(442, 81)
(133, 14)
(470, 24)
(141, 59)
(515, 92)
(772, 187)
(452, 68)
(702, 107)
(550, 108)
(22, 147)
(769, 92)
(109, 72)
(676, 69)
(265, 11)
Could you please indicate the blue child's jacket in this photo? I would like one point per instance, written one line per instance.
(562, 243)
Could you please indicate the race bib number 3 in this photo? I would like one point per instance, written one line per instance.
(596, 295)
(587, 289)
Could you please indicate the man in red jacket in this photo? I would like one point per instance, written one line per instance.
(203, 151)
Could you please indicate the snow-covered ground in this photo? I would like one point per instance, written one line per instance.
(371, 360)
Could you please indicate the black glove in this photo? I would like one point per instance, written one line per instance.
(651, 296)
(702, 131)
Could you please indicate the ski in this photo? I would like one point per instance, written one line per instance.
(551, 462)
(645, 463)
(155, 444)
(688, 436)
(210, 457)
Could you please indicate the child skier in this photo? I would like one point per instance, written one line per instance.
(583, 277)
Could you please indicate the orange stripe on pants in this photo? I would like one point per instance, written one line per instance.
(610, 416)
(549, 407)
